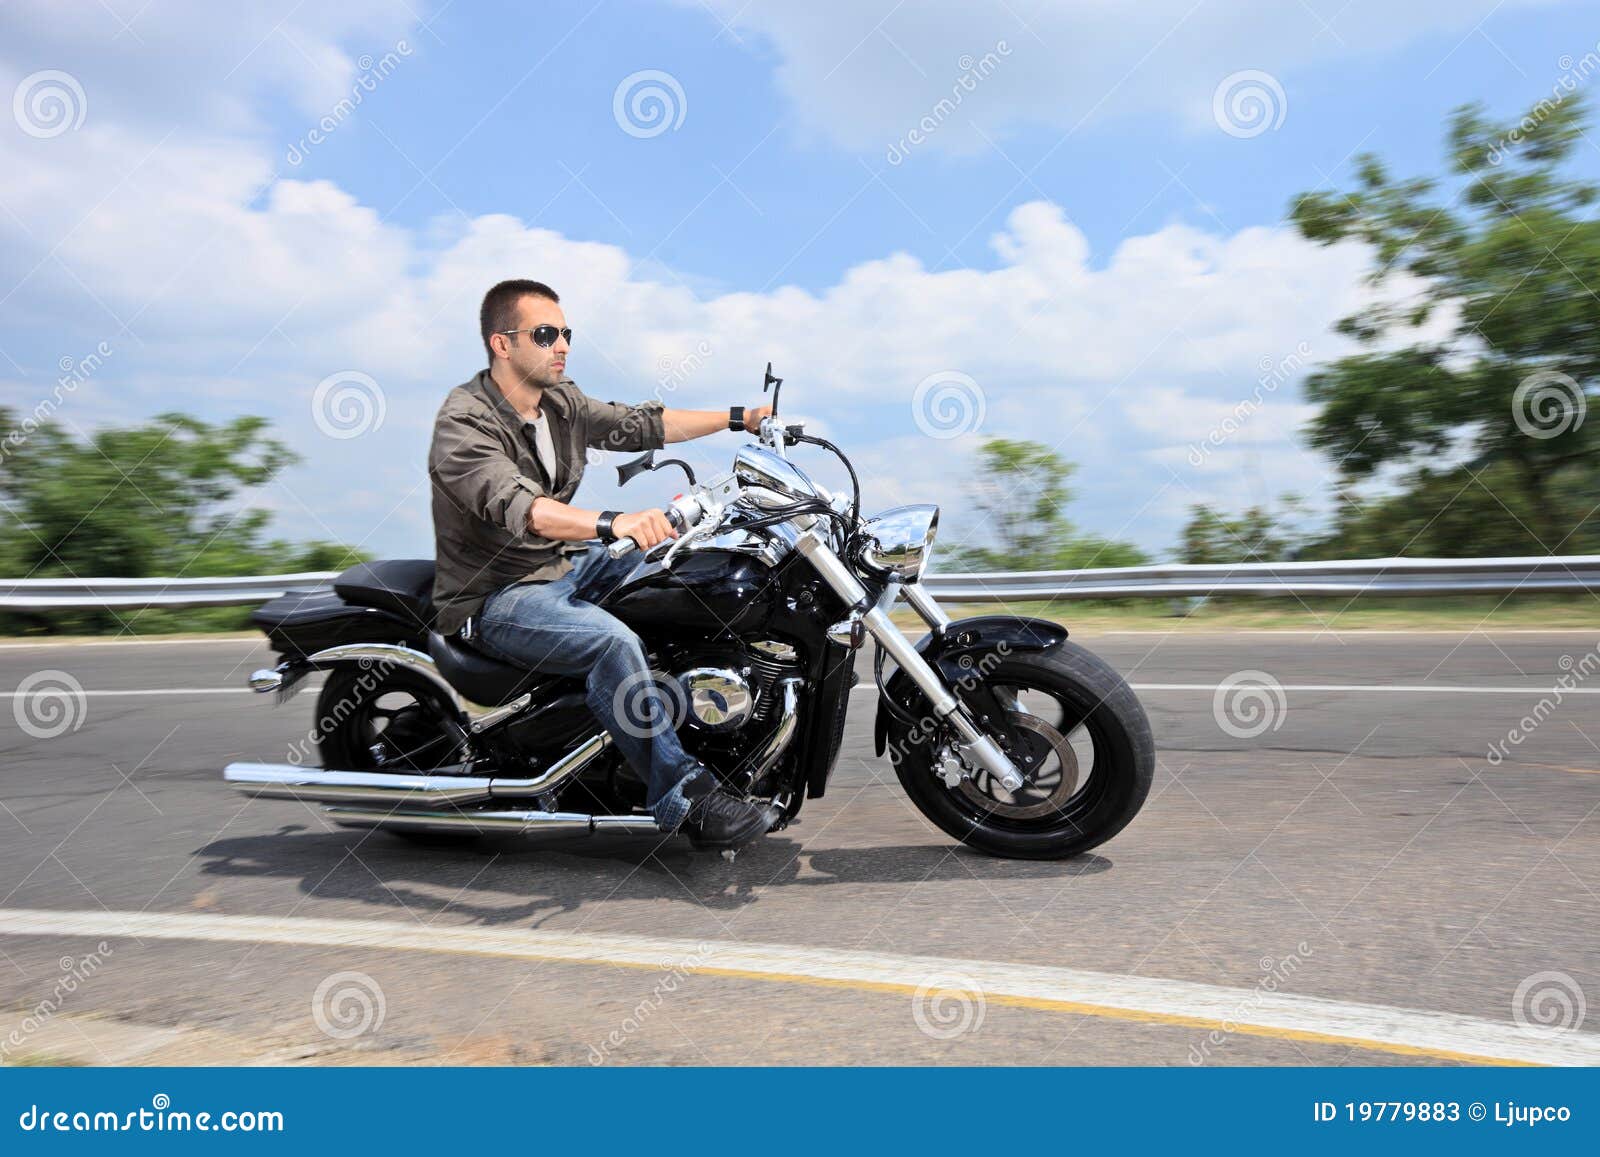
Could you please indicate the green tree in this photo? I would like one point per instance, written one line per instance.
(1489, 416)
(164, 498)
(1022, 493)
(1256, 535)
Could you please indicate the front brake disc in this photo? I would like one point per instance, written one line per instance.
(1045, 789)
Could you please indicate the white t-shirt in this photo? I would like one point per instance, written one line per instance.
(543, 445)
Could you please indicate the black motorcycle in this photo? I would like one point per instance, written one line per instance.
(1006, 735)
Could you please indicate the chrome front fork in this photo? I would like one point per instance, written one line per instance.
(976, 747)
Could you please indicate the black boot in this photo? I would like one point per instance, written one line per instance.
(719, 819)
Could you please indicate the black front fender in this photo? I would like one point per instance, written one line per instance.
(957, 650)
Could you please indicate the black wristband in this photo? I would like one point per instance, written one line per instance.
(736, 417)
(602, 525)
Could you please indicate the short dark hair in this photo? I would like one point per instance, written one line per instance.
(499, 312)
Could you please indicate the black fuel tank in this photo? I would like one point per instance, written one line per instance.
(705, 592)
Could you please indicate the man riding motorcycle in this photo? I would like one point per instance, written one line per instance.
(517, 572)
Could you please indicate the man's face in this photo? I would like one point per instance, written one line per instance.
(532, 364)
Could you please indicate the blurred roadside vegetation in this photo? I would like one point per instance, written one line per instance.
(1478, 428)
(169, 498)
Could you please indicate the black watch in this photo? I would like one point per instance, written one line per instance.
(602, 525)
(736, 417)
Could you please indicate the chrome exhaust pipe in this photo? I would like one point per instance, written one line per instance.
(333, 785)
(519, 822)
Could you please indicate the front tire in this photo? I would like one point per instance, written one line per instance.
(1069, 705)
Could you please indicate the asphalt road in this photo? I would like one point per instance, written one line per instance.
(1357, 844)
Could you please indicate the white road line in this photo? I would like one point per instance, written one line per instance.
(1139, 998)
(256, 642)
(1351, 688)
(1400, 688)
(58, 693)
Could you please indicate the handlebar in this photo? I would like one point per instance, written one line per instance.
(682, 512)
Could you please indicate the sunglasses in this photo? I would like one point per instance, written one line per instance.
(544, 336)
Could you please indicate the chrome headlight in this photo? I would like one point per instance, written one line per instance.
(896, 541)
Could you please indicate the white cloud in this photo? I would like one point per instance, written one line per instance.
(863, 73)
(240, 292)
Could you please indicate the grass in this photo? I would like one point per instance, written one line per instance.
(1485, 612)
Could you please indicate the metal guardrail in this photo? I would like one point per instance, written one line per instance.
(1373, 576)
(1377, 576)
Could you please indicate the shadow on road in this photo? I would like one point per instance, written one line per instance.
(506, 881)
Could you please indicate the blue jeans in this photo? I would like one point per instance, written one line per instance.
(556, 627)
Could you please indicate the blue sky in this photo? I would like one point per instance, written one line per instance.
(1082, 252)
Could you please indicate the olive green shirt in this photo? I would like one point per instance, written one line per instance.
(486, 474)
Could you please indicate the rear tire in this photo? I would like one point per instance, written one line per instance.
(1099, 714)
(402, 716)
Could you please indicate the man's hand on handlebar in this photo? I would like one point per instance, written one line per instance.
(645, 527)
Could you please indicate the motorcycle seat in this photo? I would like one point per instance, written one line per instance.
(401, 586)
(481, 678)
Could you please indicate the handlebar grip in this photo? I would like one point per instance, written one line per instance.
(625, 545)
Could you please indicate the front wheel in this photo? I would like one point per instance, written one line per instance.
(1076, 732)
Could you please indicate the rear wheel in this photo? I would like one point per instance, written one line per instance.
(1078, 735)
(398, 723)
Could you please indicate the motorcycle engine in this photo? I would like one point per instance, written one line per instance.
(723, 693)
